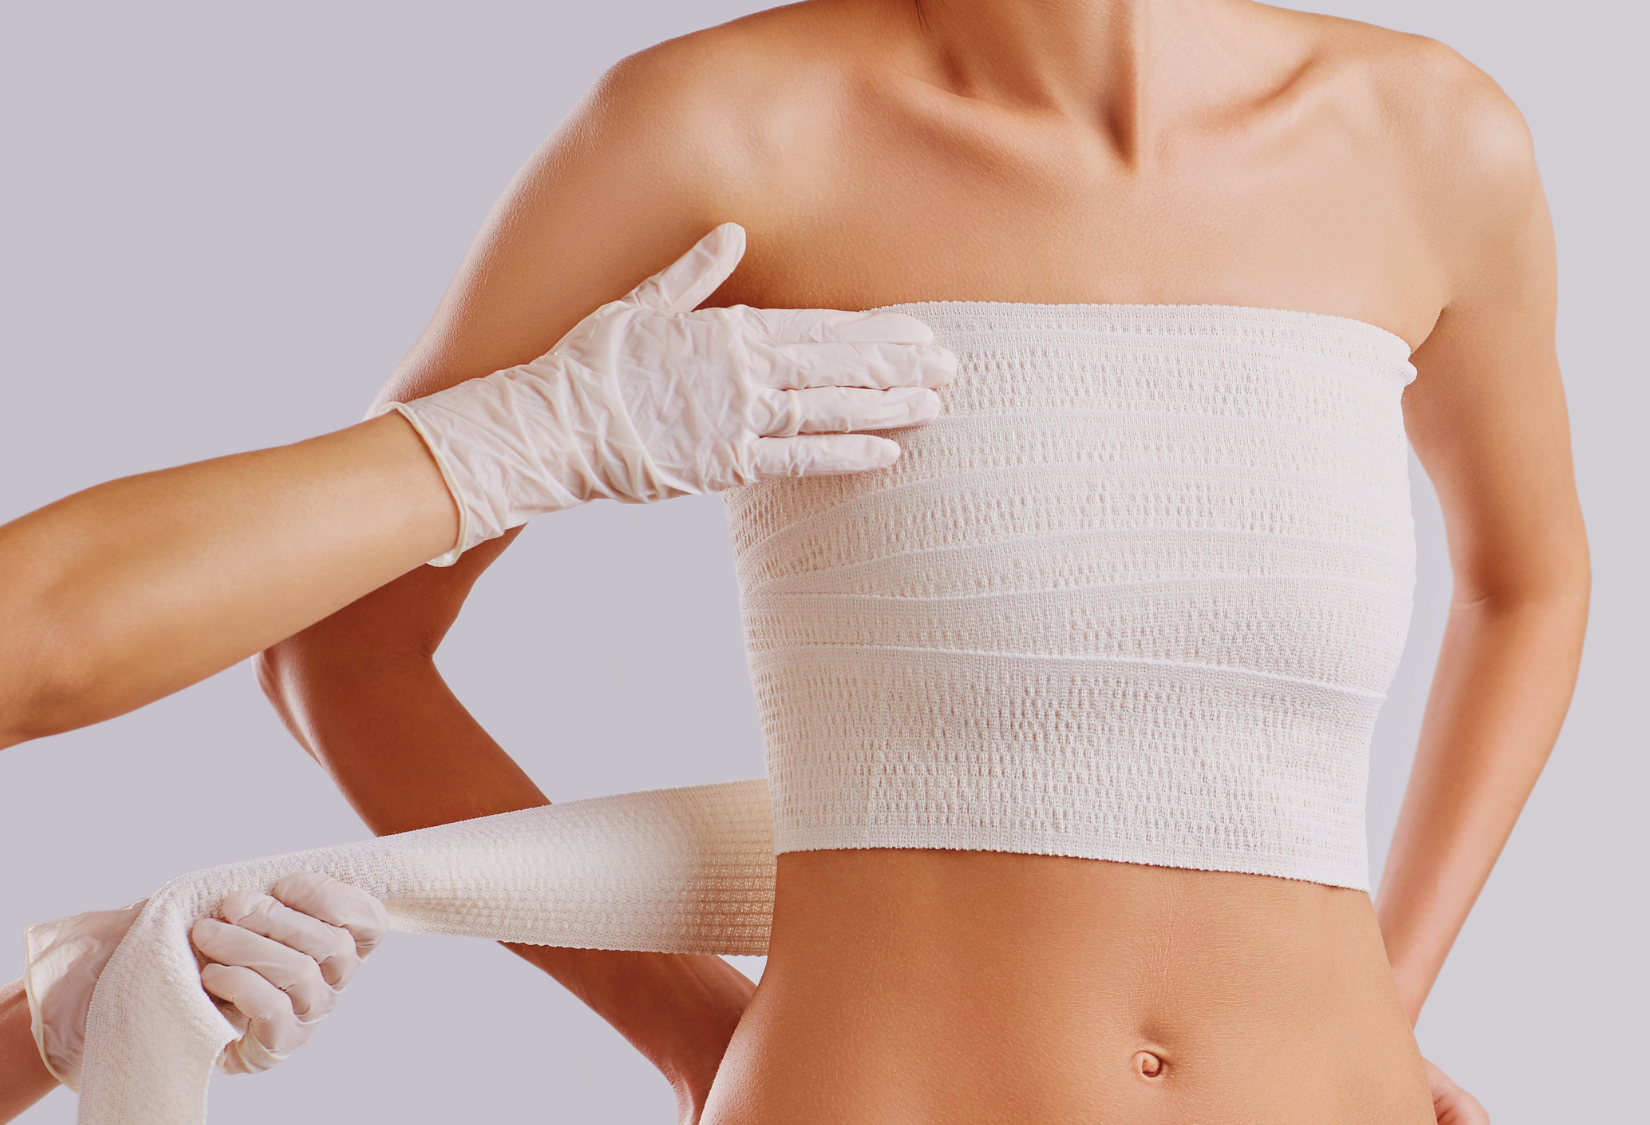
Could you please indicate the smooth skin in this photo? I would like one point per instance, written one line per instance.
(131, 590)
(1158, 151)
(24, 1078)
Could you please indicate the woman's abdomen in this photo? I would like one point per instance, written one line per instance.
(919, 986)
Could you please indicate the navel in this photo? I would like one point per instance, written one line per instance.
(1150, 1065)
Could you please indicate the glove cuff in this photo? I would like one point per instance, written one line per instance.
(63, 961)
(465, 521)
(38, 939)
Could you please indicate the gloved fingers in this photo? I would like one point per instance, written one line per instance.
(878, 366)
(819, 326)
(680, 286)
(247, 1055)
(338, 904)
(820, 455)
(268, 1010)
(293, 973)
(331, 947)
(841, 410)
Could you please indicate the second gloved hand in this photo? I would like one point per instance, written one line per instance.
(281, 959)
(647, 399)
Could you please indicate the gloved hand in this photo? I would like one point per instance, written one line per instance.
(646, 399)
(283, 958)
(281, 963)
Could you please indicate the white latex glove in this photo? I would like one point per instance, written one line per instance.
(647, 399)
(64, 960)
(282, 959)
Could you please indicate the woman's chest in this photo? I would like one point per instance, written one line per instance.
(876, 212)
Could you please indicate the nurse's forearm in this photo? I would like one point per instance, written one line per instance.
(131, 590)
(24, 1079)
(1505, 675)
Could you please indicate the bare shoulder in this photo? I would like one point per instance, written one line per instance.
(1464, 165)
(717, 107)
(1452, 130)
(668, 143)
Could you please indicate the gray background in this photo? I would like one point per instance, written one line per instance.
(220, 227)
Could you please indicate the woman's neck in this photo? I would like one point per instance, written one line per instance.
(1126, 66)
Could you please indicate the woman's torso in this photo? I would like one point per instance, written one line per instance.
(933, 986)
(1133, 599)
(921, 985)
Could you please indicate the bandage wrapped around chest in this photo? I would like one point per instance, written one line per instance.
(670, 871)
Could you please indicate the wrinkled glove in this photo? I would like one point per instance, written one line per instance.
(64, 960)
(282, 959)
(647, 399)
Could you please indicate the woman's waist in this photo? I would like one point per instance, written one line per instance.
(1077, 986)
(1069, 927)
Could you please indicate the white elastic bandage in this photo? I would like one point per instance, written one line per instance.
(1136, 595)
(670, 871)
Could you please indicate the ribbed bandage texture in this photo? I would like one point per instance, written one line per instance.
(672, 871)
(1136, 595)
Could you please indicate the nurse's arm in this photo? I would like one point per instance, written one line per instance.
(131, 590)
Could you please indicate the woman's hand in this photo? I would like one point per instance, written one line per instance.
(679, 1010)
(1451, 1104)
(282, 959)
(695, 1067)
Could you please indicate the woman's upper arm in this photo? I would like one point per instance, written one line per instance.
(643, 167)
(620, 189)
(1486, 413)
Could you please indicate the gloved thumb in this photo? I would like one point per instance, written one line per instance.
(680, 286)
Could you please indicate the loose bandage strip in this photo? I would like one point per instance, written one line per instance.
(669, 871)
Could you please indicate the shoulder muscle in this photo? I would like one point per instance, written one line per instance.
(668, 144)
